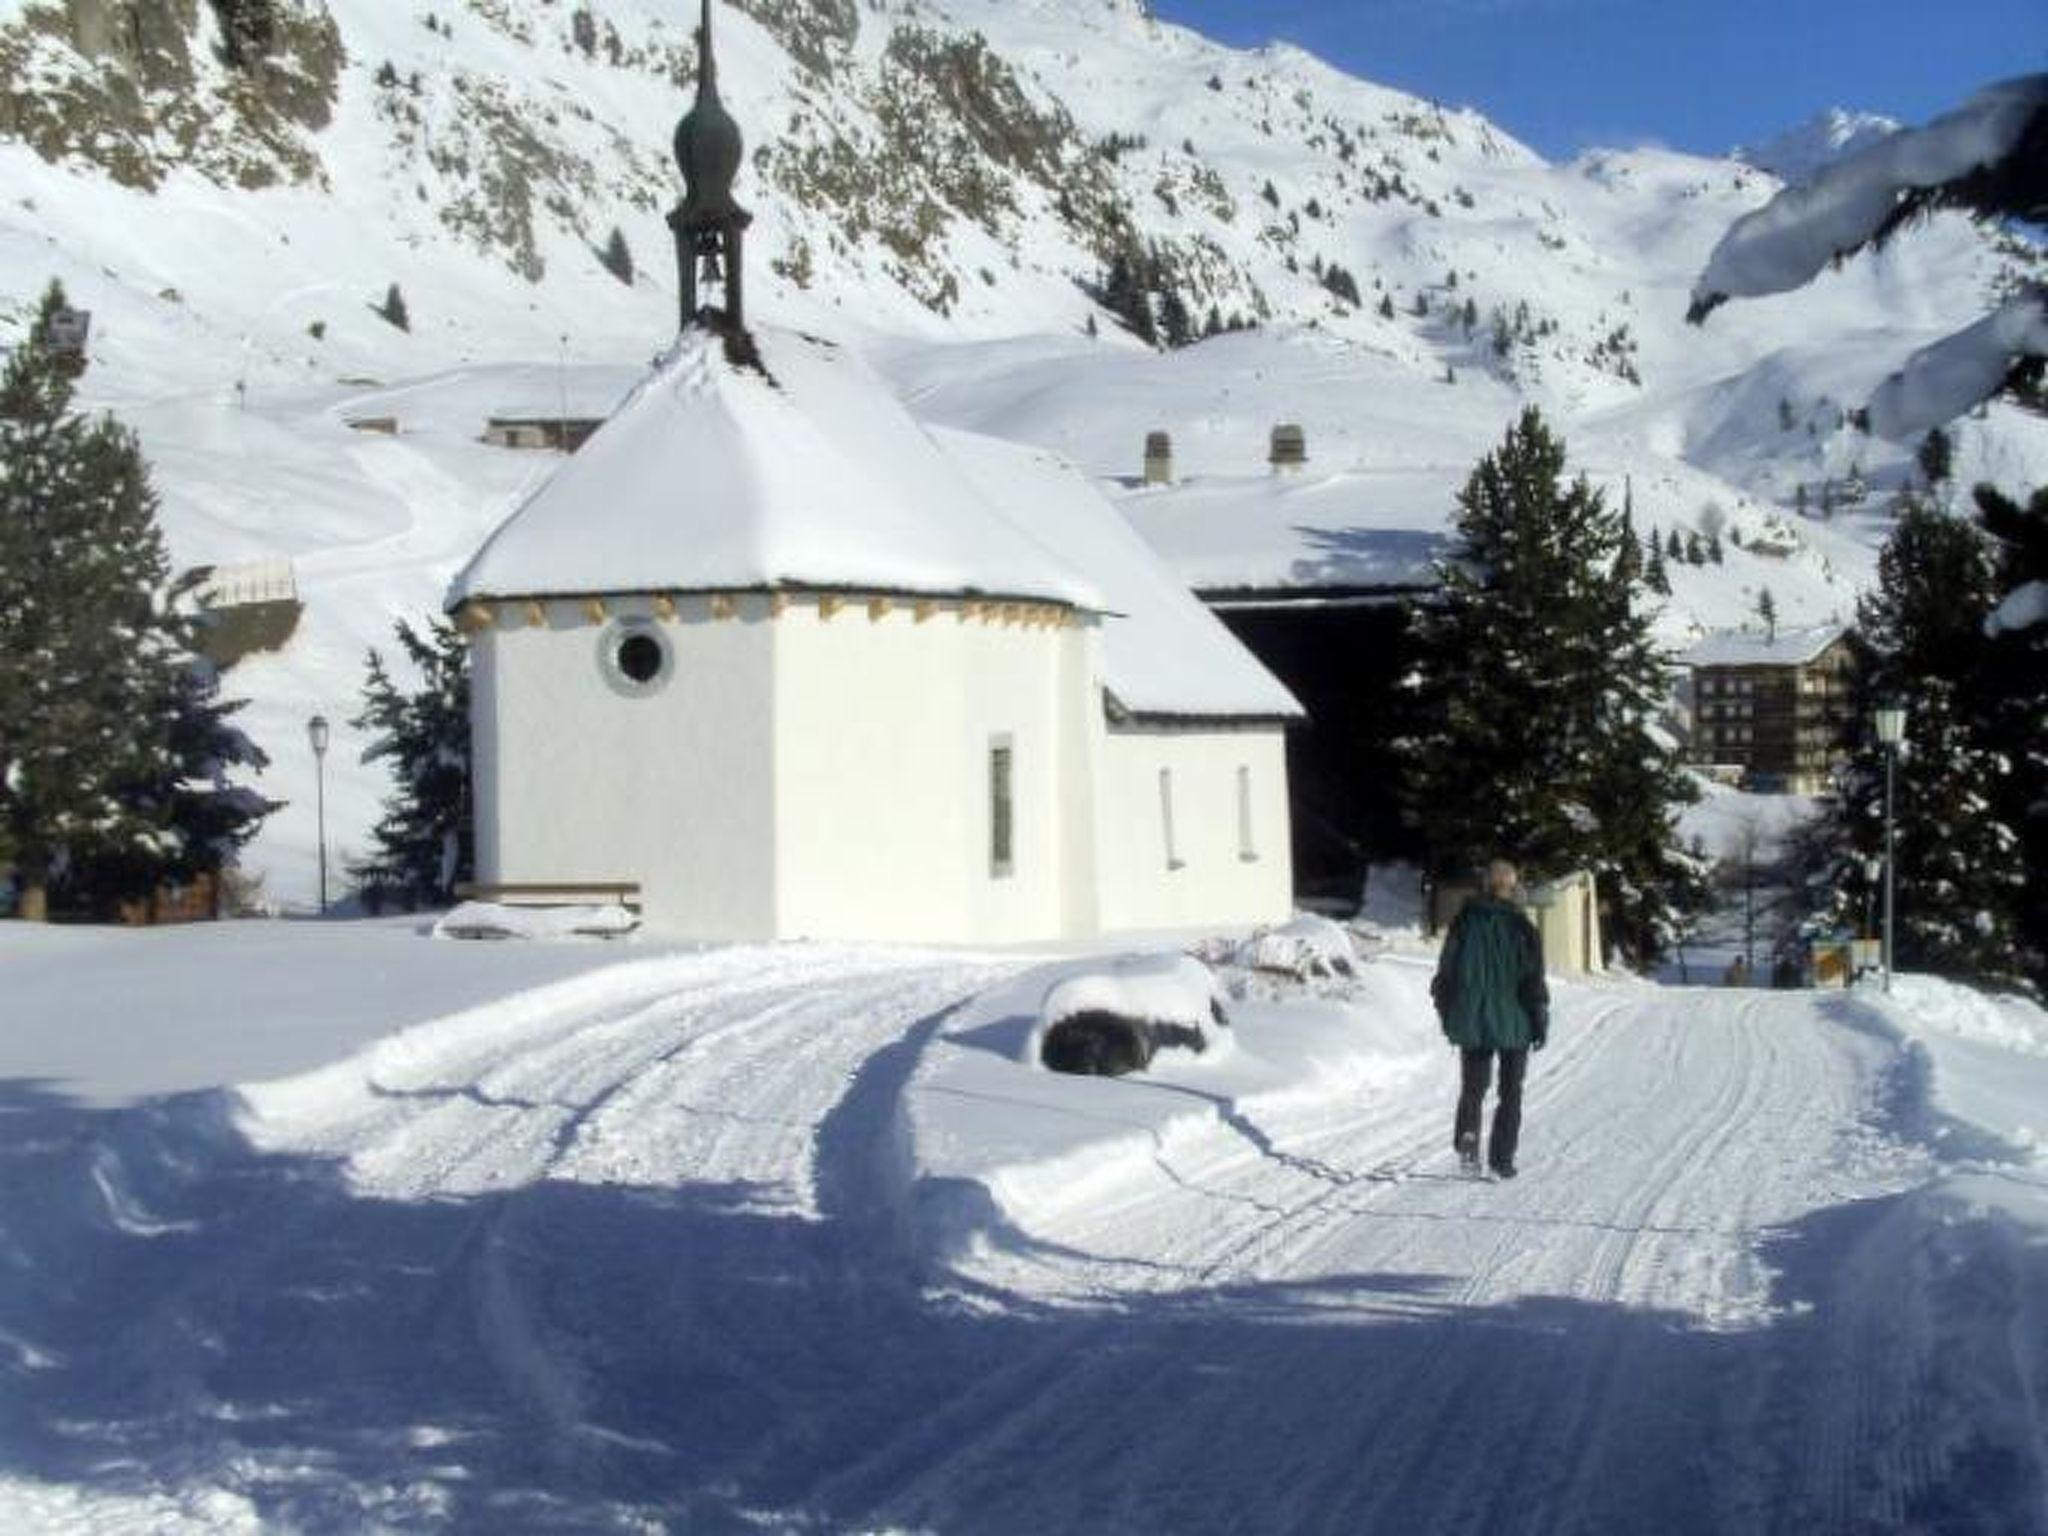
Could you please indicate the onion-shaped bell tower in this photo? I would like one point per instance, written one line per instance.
(709, 226)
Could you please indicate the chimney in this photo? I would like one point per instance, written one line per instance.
(1290, 448)
(1159, 458)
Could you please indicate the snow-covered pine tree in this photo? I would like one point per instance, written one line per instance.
(1987, 159)
(206, 815)
(1961, 878)
(2016, 682)
(114, 758)
(1767, 611)
(424, 839)
(1537, 691)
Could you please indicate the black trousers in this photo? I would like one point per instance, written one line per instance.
(1507, 1111)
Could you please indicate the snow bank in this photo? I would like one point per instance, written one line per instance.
(993, 1148)
(1987, 1066)
(493, 920)
(118, 1014)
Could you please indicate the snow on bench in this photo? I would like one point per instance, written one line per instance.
(573, 920)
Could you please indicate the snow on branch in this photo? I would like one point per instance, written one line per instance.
(1943, 380)
(1864, 196)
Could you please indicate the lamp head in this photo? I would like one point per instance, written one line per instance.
(1891, 722)
(316, 732)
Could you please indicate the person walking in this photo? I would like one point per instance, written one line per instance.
(1491, 998)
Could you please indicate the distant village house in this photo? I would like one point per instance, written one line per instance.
(1772, 710)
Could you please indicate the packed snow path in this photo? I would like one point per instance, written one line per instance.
(641, 1267)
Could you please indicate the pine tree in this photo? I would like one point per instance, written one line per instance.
(1767, 610)
(1656, 576)
(1628, 561)
(616, 257)
(1695, 551)
(1537, 692)
(1936, 457)
(1176, 326)
(109, 777)
(393, 309)
(1714, 548)
(1674, 547)
(1386, 306)
(424, 839)
(1962, 884)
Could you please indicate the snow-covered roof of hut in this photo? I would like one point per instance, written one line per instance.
(1754, 648)
(1163, 653)
(1357, 530)
(805, 473)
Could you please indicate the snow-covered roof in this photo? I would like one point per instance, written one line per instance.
(715, 476)
(1163, 653)
(1756, 648)
(1355, 529)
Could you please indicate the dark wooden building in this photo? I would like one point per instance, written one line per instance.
(1319, 574)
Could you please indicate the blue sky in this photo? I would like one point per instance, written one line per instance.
(1565, 75)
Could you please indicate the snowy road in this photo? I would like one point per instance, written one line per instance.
(640, 1266)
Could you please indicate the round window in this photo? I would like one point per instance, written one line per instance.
(639, 657)
(635, 656)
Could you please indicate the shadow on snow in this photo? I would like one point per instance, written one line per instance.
(179, 1309)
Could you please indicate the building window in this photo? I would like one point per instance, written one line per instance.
(1173, 858)
(1247, 843)
(1002, 812)
(635, 657)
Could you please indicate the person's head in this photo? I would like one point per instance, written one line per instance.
(1502, 880)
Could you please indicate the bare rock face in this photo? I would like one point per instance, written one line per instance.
(139, 87)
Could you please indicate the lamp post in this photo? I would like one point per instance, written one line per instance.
(316, 733)
(1891, 733)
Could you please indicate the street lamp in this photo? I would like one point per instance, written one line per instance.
(316, 733)
(1891, 734)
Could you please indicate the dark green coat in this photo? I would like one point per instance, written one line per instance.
(1489, 988)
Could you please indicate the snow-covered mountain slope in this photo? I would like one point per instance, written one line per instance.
(937, 182)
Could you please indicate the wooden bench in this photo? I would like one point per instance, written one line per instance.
(574, 893)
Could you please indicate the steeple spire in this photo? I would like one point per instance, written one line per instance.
(708, 224)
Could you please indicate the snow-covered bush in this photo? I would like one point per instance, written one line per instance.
(1113, 1018)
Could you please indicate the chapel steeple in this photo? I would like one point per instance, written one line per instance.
(708, 225)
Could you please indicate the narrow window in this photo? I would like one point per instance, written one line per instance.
(1173, 858)
(1002, 817)
(1247, 845)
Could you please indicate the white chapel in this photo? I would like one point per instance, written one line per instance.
(794, 666)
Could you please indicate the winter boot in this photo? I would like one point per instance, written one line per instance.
(1468, 1153)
